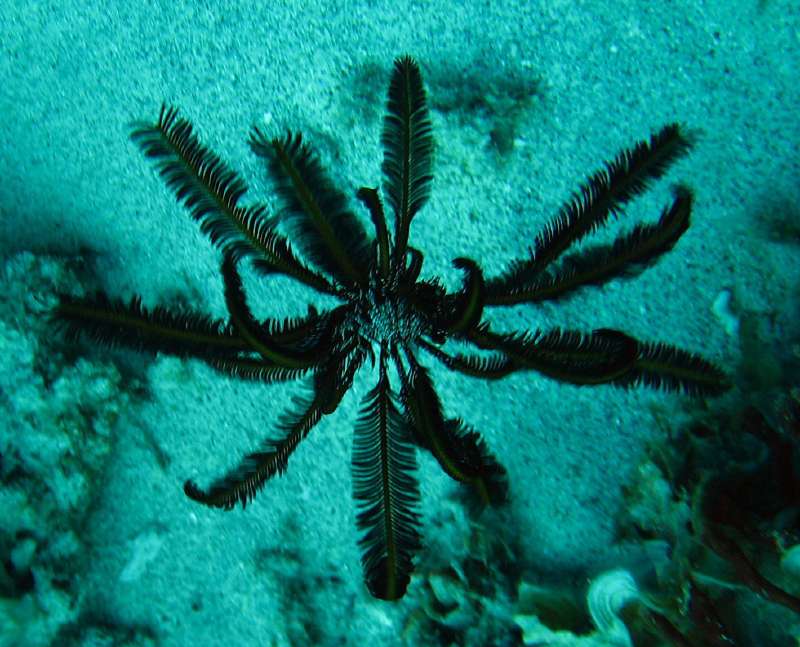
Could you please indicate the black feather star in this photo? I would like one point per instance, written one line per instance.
(387, 313)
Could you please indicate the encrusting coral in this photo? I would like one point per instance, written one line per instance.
(730, 522)
(55, 443)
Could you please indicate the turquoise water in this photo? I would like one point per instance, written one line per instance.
(100, 545)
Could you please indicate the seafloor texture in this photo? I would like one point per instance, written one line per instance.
(100, 546)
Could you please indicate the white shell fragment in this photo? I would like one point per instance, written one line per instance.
(723, 310)
(608, 594)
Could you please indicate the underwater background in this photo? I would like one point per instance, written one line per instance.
(100, 546)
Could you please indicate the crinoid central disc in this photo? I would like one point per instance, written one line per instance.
(387, 318)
